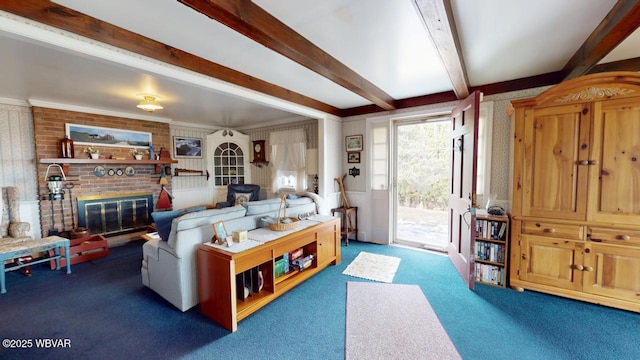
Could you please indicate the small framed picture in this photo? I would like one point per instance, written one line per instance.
(353, 157)
(353, 143)
(185, 147)
(220, 231)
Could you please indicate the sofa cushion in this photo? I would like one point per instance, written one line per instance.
(262, 206)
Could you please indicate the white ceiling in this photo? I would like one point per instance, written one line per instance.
(383, 41)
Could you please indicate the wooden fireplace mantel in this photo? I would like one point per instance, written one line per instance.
(65, 162)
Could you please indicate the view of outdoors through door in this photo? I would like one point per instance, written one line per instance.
(422, 184)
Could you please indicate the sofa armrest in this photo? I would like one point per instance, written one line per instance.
(318, 200)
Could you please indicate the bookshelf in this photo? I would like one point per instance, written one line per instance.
(491, 249)
(234, 285)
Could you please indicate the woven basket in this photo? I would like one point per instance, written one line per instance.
(278, 226)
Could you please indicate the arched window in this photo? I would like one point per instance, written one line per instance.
(228, 164)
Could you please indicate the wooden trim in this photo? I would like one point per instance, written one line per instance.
(622, 65)
(617, 84)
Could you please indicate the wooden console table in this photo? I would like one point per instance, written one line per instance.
(219, 269)
(17, 249)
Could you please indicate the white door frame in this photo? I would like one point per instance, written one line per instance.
(219, 193)
(426, 118)
(383, 232)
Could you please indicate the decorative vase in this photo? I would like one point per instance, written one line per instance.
(138, 157)
(95, 156)
(67, 147)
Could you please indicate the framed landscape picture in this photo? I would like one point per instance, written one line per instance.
(186, 147)
(353, 143)
(95, 135)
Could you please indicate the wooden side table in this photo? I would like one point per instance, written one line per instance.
(349, 221)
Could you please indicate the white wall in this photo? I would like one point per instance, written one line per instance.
(190, 190)
(330, 160)
(18, 159)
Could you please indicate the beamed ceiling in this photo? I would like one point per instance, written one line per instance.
(241, 63)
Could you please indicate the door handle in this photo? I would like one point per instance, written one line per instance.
(458, 146)
(468, 211)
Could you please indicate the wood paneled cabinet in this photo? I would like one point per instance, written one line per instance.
(576, 194)
(233, 285)
(612, 271)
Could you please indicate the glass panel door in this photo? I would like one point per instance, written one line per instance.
(422, 183)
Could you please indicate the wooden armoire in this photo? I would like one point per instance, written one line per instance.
(576, 191)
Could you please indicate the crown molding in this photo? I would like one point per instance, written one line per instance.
(194, 125)
(16, 102)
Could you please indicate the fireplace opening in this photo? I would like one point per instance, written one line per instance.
(115, 214)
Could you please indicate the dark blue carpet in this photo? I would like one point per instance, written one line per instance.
(106, 313)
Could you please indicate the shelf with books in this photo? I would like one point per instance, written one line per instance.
(232, 285)
(491, 249)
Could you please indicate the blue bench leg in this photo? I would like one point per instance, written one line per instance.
(3, 289)
(67, 258)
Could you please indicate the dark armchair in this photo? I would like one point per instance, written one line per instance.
(240, 193)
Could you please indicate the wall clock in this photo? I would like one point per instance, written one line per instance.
(259, 151)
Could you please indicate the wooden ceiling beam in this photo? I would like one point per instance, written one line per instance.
(47, 12)
(622, 65)
(621, 21)
(255, 23)
(437, 17)
(530, 82)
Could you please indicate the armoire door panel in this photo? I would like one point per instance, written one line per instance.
(612, 271)
(551, 262)
(556, 145)
(614, 194)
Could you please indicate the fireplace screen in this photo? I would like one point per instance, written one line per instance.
(115, 214)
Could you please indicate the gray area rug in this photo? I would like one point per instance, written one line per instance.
(374, 267)
(393, 321)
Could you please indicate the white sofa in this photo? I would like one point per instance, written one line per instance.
(169, 267)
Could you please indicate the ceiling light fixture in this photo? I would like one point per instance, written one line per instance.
(150, 102)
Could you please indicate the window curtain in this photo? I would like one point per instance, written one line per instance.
(288, 154)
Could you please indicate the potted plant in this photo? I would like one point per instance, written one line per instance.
(93, 152)
(137, 154)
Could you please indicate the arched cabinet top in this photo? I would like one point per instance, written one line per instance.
(588, 88)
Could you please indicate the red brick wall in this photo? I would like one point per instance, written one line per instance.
(49, 129)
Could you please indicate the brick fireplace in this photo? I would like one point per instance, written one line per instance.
(49, 129)
(115, 214)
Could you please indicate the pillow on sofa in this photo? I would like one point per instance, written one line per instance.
(163, 219)
(242, 198)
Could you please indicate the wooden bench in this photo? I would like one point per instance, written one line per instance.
(24, 248)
